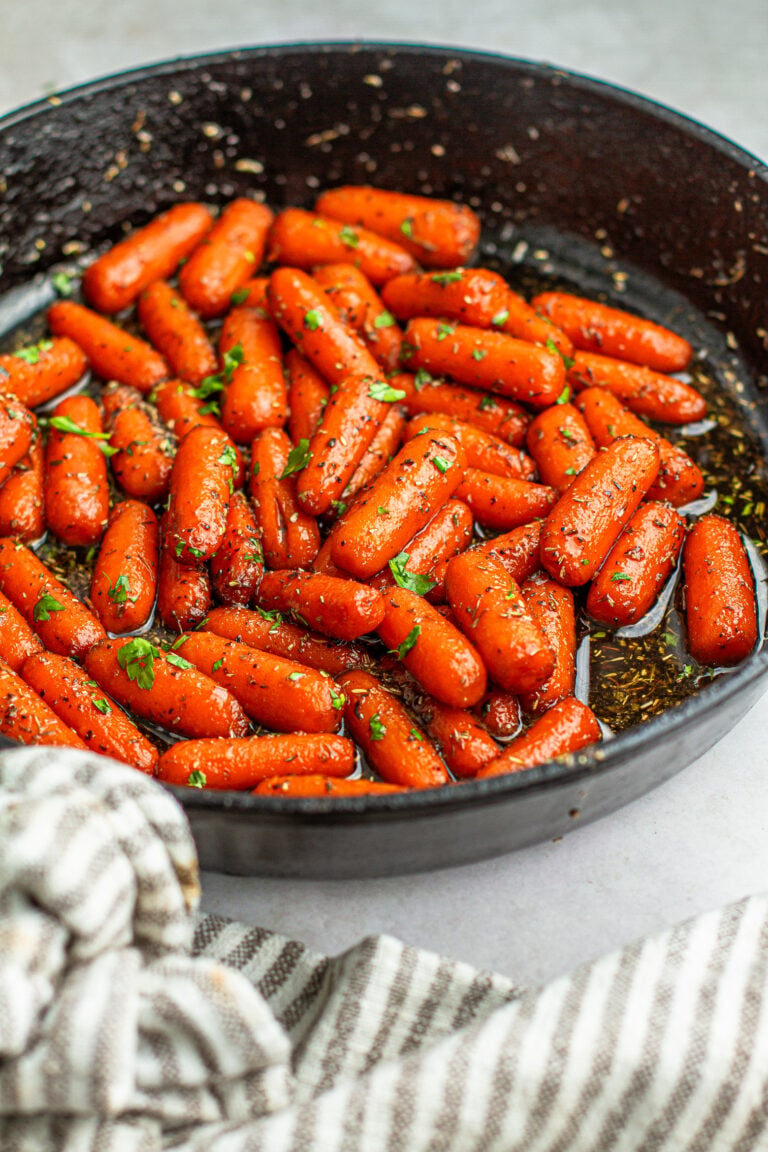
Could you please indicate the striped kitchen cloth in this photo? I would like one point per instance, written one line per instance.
(121, 1031)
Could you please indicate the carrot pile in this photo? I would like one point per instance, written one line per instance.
(287, 472)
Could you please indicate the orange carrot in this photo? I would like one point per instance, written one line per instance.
(124, 581)
(427, 553)
(144, 454)
(17, 427)
(566, 727)
(301, 239)
(551, 606)
(255, 395)
(503, 502)
(176, 332)
(268, 631)
(720, 608)
(226, 257)
(522, 321)
(76, 491)
(244, 763)
(500, 713)
(183, 592)
(112, 353)
(645, 392)
(24, 717)
(343, 609)
(360, 306)
(473, 296)
(290, 537)
(378, 453)
(560, 443)
(323, 787)
(17, 640)
(462, 740)
(39, 372)
(495, 414)
(517, 550)
(21, 497)
(201, 486)
(483, 451)
(307, 397)
(238, 565)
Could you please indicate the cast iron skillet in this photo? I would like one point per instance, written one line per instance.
(559, 161)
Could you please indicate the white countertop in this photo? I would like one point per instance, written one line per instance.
(702, 838)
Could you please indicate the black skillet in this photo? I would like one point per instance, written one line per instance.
(554, 163)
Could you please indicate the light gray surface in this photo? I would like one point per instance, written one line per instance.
(701, 839)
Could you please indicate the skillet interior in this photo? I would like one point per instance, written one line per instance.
(600, 181)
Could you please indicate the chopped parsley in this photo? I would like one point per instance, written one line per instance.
(62, 282)
(421, 378)
(564, 396)
(444, 330)
(31, 355)
(441, 463)
(411, 581)
(407, 227)
(177, 661)
(500, 318)
(381, 390)
(196, 779)
(403, 649)
(377, 729)
(312, 320)
(298, 458)
(349, 237)
(384, 320)
(102, 706)
(552, 347)
(137, 659)
(446, 277)
(120, 591)
(620, 576)
(239, 296)
(64, 424)
(44, 606)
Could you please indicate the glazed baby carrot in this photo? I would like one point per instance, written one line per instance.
(301, 239)
(391, 742)
(500, 713)
(176, 332)
(519, 319)
(473, 296)
(124, 581)
(238, 564)
(400, 501)
(244, 763)
(303, 310)
(321, 787)
(17, 640)
(720, 611)
(484, 359)
(360, 306)
(112, 353)
(503, 502)
(182, 409)
(183, 592)
(483, 450)
(461, 739)
(225, 257)
(290, 537)
(495, 414)
(517, 550)
(343, 609)
(583, 526)
(439, 233)
(678, 481)
(551, 606)
(80, 703)
(28, 719)
(61, 621)
(255, 395)
(560, 443)
(268, 631)
(201, 486)
(637, 567)
(17, 427)
(594, 327)
(566, 727)
(378, 453)
(645, 392)
(277, 693)
(151, 253)
(165, 689)
(490, 610)
(143, 454)
(351, 419)
(21, 497)
(435, 653)
(307, 397)
(39, 372)
(76, 490)
(427, 553)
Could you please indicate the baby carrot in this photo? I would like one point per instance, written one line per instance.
(244, 763)
(483, 451)
(432, 649)
(61, 621)
(165, 689)
(387, 735)
(41, 371)
(79, 703)
(343, 609)
(307, 397)
(303, 310)
(427, 553)
(124, 581)
(26, 718)
(583, 526)
(21, 497)
(645, 392)
(323, 786)
(439, 233)
(517, 550)
(490, 610)
(500, 713)
(473, 296)
(238, 565)
(255, 396)
(151, 253)
(495, 414)
(560, 443)
(17, 640)
(400, 501)
(17, 427)
(519, 319)
(176, 332)
(112, 353)
(594, 327)
(143, 454)
(277, 693)
(483, 359)
(290, 537)
(378, 453)
(360, 306)
(225, 258)
(201, 486)
(76, 490)
(503, 502)
(268, 631)
(720, 608)
(301, 239)
(678, 481)
(637, 567)
(566, 727)
(183, 592)
(462, 740)
(551, 606)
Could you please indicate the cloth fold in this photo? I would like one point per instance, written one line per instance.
(120, 1032)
